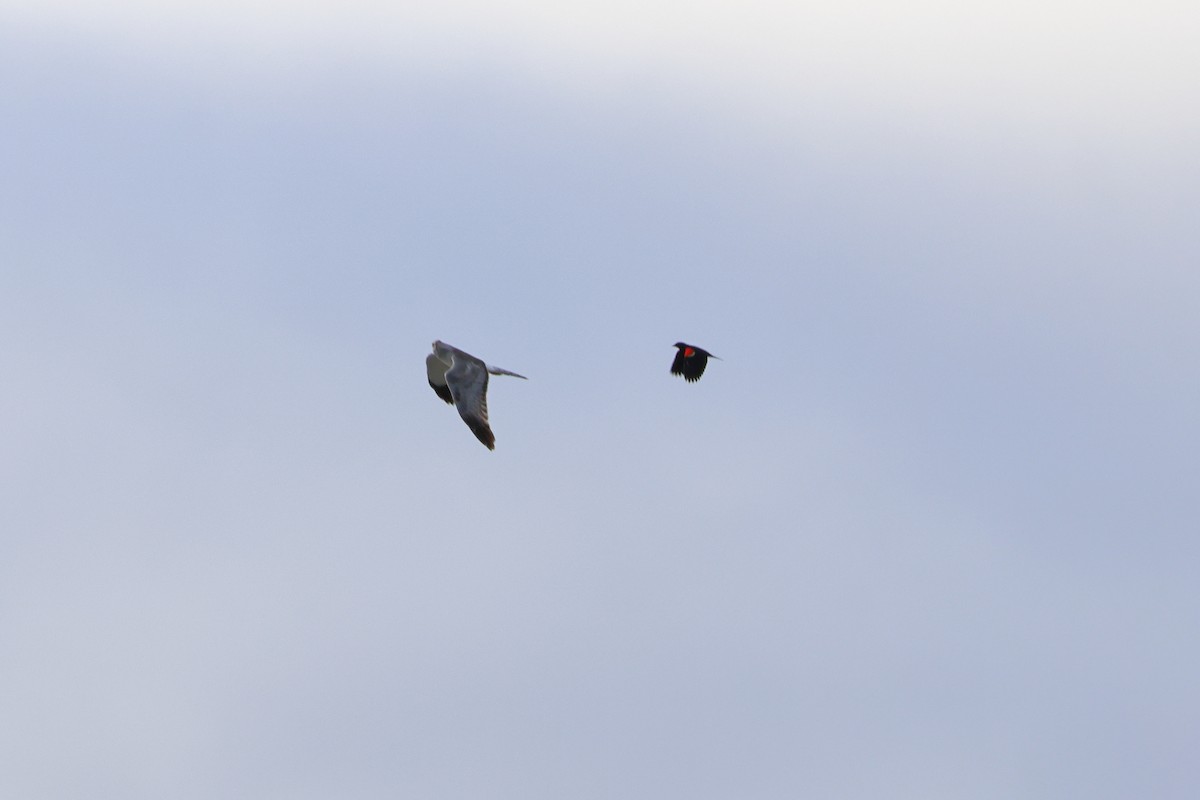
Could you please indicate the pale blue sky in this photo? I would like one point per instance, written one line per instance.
(927, 531)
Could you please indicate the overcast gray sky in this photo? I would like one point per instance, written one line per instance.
(929, 530)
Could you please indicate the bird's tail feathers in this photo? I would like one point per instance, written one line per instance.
(499, 371)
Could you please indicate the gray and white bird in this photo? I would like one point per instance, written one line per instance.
(462, 379)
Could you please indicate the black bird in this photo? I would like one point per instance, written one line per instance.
(690, 362)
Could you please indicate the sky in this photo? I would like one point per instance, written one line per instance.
(927, 530)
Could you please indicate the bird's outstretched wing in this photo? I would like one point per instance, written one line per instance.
(435, 368)
(468, 381)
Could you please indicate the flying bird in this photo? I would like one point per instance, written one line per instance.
(462, 379)
(690, 362)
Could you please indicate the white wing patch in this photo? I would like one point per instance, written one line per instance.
(435, 369)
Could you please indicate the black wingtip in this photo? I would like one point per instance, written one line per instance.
(442, 391)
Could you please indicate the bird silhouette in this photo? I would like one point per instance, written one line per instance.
(690, 361)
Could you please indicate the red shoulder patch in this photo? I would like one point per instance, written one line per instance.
(688, 352)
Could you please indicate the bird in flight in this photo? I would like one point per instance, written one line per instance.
(690, 362)
(462, 379)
